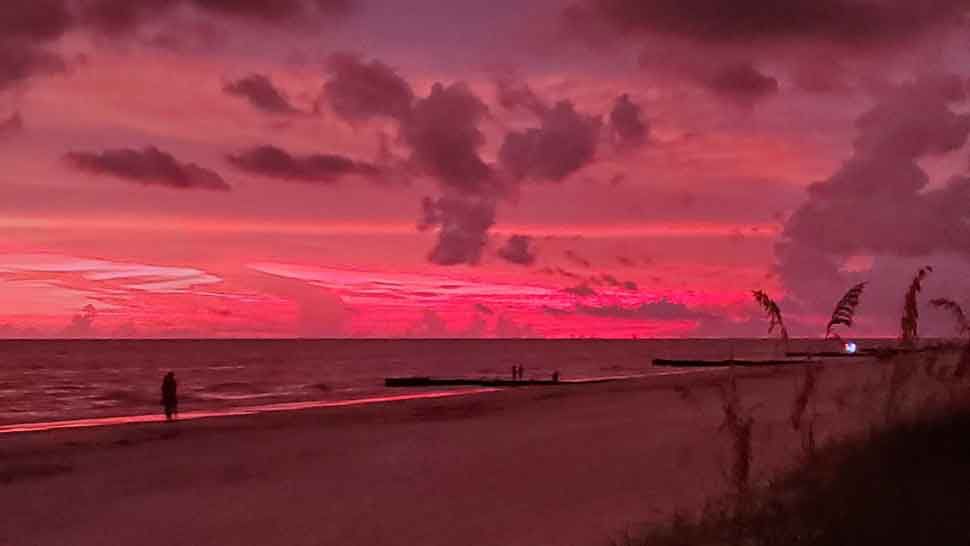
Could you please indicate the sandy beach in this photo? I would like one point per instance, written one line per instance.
(562, 465)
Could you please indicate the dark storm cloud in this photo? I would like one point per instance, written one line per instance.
(626, 123)
(742, 84)
(46, 20)
(828, 46)
(34, 20)
(444, 135)
(277, 163)
(564, 142)
(274, 10)
(12, 125)
(518, 250)
(857, 23)
(261, 94)
(463, 224)
(149, 166)
(26, 27)
(117, 17)
(879, 203)
(19, 61)
(29, 27)
(358, 90)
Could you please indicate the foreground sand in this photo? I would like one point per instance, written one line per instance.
(569, 465)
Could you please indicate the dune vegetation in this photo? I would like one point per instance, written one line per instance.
(902, 481)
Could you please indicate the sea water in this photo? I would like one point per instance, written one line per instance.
(47, 380)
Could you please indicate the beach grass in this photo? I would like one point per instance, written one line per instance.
(901, 482)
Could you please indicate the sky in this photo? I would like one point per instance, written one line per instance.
(556, 168)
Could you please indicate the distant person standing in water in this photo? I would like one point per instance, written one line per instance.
(170, 396)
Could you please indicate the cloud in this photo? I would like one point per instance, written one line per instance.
(277, 163)
(444, 135)
(274, 11)
(261, 94)
(627, 126)
(852, 23)
(506, 328)
(609, 280)
(149, 166)
(28, 27)
(658, 310)
(34, 20)
(742, 84)
(19, 62)
(463, 224)
(577, 259)
(320, 313)
(82, 324)
(518, 250)
(512, 94)
(358, 91)
(564, 142)
(556, 312)
(560, 271)
(118, 17)
(821, 47)
(12, 125)
(880, 203)
(431, 326)
(581, 290)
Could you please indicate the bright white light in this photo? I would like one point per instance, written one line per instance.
(850, 347)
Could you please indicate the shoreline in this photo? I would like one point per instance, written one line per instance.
(303, 405)
(434, 471)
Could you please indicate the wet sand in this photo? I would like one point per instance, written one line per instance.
(556, 465)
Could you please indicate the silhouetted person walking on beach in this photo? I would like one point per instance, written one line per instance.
(170, 396)
(515, 372)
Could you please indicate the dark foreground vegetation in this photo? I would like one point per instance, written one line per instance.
(907, 484)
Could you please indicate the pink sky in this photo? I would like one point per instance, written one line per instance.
(576, 168)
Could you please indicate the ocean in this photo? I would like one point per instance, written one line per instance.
(50, 380)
